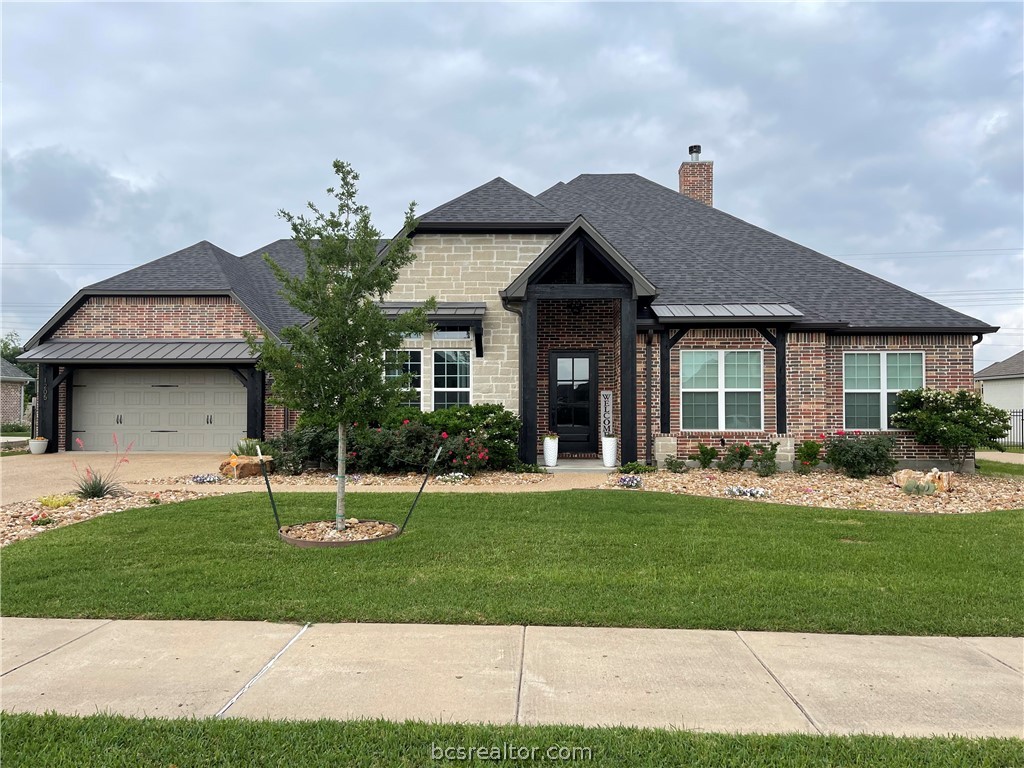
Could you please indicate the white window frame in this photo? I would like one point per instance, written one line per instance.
(419, 389)
(434, 389)
(883, 391)
(721, 390)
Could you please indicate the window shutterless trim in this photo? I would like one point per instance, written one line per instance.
(721, 390)
(418, 390)
(434, 389)
(883, 392)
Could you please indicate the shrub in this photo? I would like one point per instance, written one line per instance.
(859, 455)
(959, 421)
(57, 501)
(764, 462)
(91, 484)
(807, 456)
(705, 455)
(735, 457)
(675, 464)
(247, 447)
(636, 468)
(13, 426)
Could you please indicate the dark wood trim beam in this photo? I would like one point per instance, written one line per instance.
(627, 378)
(528, 381)
(579, 261)
(47, 403)
(592, 291)
(254, 399)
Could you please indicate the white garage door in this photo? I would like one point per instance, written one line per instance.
(160, 409)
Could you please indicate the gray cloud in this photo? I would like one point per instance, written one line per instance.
(850, 128)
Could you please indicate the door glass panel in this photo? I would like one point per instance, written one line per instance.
(572, 392)
(564, 368)
(581, 368)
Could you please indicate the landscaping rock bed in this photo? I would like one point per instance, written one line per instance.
(324, 532)
(16, 519)
(971, 493)
(327, 478)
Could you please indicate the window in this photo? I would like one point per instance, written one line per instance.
(400, 362)
(452, 333)
(871, 381)
(721, 390)
(451, 378)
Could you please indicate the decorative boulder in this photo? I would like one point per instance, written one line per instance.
(246, 466)
(943, 481)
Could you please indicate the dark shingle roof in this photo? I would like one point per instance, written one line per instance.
(196, 268)
(10, 372)
(1010, 368)
(698, 254)
(493, 202)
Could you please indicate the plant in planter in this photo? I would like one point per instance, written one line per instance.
(551, 449)
(609, 449)
(37, 445)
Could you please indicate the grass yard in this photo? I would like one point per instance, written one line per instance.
(1000, 469)
(100, 740)
(593, 558)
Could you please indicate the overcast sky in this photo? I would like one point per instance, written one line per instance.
(863, 131)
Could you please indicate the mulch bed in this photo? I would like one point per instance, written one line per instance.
(830, 490)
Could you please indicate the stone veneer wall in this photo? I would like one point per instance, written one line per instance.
(472, 268)
(12, 401)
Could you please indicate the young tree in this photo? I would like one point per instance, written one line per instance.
(332, 368)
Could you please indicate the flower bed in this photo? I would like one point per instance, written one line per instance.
(327, 478)
(972, 493)
(16, 520)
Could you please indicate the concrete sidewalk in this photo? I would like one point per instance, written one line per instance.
(1004, 456)
(760, 682)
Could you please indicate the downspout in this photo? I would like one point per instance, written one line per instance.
(649, 393)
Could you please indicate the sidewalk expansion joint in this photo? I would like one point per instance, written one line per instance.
(519, 675)
(63, 645)
(986, 653)
(260, 674)
(781, 685)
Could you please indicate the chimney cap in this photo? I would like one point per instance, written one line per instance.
(694, 152)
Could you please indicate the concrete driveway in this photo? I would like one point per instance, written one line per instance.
(29, 477)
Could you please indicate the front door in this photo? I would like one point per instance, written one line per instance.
(573, 401)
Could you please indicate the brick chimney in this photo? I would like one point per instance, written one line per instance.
(696, 177)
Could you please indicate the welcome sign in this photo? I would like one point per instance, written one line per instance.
(606, 412)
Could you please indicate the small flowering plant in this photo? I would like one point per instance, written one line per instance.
(750, 493)
(452, 478)
(630, 481)
(92, 484)
(154, 498)
(41, 518)
(204, 479)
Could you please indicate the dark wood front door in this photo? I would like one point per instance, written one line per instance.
(573, 399)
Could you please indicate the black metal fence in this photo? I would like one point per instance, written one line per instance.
(1015, 437)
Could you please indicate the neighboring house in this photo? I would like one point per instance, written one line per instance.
(700, 326)
(12, 392)
(1002, 384)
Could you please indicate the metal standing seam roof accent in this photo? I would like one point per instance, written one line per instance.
(739, 311)
(88, 351)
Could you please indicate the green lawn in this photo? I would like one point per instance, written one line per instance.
(598, 558)
(100, 740)
(1000, 469)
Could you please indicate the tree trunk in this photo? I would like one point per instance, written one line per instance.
(339, 510)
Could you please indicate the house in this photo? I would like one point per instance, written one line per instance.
(1002, 384)
(12, 392)
(609, 299)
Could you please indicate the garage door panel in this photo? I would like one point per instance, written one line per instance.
(160, 409)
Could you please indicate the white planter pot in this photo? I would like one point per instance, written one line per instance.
(550, 451)
(609, 449)
(37, 446)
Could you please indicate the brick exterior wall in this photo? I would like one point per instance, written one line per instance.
(158, 317)
(696, 181)
(12, 401)
(814, 383)
(595, 328)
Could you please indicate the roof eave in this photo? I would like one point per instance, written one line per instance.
(487, 227)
